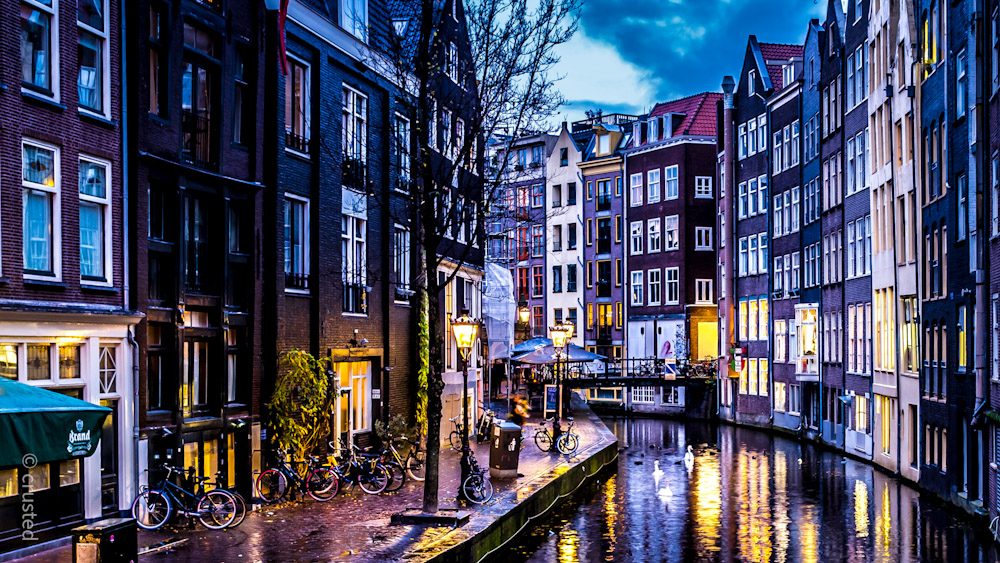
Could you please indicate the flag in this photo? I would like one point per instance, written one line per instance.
(282, 15)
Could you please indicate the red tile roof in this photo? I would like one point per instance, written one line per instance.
(778, 52)
(698, 110)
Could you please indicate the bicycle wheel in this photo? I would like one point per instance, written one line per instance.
(241, 509)
(397, 477)
(568, 443)
(415, 466)
(322, 484)
(272, 485)
(151, 509)
(455, 439)
(375, 480)
(219, 509)
(477, 488)
(543, 440)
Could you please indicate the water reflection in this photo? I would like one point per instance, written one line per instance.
(749, 496)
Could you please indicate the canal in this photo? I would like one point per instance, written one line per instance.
(747, 495)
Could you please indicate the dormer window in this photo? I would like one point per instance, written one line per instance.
(751, 82)
(603, 143)
(788, 73)
(654, 134)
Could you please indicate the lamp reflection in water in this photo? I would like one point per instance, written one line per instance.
(610, 516)
(753, 506)
(707, 501)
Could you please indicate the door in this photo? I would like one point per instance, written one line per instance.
(109, 460)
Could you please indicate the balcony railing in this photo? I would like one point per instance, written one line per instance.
(196, 140)
(604, 288)
(355, 298)
(297, 142)
(603, 202)
(354, 174)
(296, 281)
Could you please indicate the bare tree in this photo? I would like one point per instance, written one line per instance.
(479, 70)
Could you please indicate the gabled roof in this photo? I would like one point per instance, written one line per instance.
(698, 111)
(775, 56)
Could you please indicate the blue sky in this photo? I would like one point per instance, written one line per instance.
(630, 54)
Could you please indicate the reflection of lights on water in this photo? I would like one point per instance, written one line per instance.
(753, 514)
(567, 549)
(861, 509)
(883, 525)
(707, 492)
(808, 546)
(781, 520)
(610, 514)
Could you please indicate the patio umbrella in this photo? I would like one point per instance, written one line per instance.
(531, 345)
(547, 355)
(47, 425)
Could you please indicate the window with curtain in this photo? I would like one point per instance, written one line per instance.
(95, 200)
(296, 243)
(36, 44)
(41, 205)
(297, 110)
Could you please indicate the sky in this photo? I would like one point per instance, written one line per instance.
(630, 54)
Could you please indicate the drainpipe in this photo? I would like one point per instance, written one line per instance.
(134, 346)
(126, 294)
(728, 167)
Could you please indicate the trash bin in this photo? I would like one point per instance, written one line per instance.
(112, 540)
(505, 450)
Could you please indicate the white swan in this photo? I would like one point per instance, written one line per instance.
(665, 493)
(689, 459)
(657, 472)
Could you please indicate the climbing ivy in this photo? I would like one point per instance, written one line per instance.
(423, 362)
(302, 403)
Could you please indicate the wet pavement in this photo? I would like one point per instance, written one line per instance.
(354, 526)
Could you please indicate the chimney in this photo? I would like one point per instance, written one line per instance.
(728, 167)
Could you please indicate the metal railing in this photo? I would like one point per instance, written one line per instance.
(296, 280)
(297, 142)
(196, 139)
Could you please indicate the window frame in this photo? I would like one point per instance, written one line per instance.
(305, 230)
(53, 90)
(305, 115)
(106, 235)
(105, 86)
(55, 193)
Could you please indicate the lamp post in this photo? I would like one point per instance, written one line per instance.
(465, 330)
(561, 333)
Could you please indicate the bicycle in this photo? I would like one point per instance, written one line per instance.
(567, 443)
(995, 529)
(153, 507)
(412, 465)
(241, 504)
(362, 469)
(320, 483)
(477, 487)
(486, 421)
(455, 437)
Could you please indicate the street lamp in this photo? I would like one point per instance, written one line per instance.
(523, 313)
(561, 333)
(465, 329)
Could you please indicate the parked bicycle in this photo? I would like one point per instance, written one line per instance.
(455, 437)
(477, 487)
(319, 482)
(155, 506)
(361, 469)
(400, 467)
(221, 484)
(486, 421)
(567, 442)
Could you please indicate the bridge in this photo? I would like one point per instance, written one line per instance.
(644, 372)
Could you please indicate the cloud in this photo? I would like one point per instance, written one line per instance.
(661, 50)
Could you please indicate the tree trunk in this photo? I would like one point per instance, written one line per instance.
(435, 388)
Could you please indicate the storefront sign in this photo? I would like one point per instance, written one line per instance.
(551, 402)
(79, 440)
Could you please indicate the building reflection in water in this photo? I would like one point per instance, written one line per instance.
(751, 496)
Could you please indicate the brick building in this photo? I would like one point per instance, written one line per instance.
(65, 322)
(194, 157)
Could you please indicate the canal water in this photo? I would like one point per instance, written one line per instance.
(747, 496)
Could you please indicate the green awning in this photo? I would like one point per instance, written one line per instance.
(44, 424)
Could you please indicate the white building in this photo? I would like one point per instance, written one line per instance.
(564, 231)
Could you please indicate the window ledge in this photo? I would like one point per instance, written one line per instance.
(293, 291)
(298, 154)
(41, 100)
(49, 284)
(96, 119)
(356, 315)
(93, 288)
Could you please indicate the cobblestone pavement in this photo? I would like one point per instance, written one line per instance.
(353, 526)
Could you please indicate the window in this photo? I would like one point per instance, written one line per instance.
(243, 118)
(564, 157)
(556, 195)
(762, 318)
(762, 375)
(703, 291)
(635, 189)
(963, 206)
(95, 218)
(571, 236)
(741, 202)
(401, 262)
(752, 364)
(42, 217)
(91, 50)
(780, 340)
(556, 279)
(537, 281)
(297, 110)
(537, 240)
(963, 338)
(557, 237)
(671, 188)
(401, 154)
(703, 187)
(571, 278)
(671, 229)
(778, 211)
(742, 268)
(995, 198)
(703, 238)
(636, 238)
(354, 253)
(793, 224)
(198, 84)
(451, 65)
(36, 45)
(752, 255)
(637, 299)
(653, 229)
(571, 193)
(157, 71)
(653, 186)
(744, 322)
(751, 82)
(673, 286)
(961, 85)
(537, 195)
(296, 243)
(603, 144)
(861, 414)
(653, 278)
(742, 141)
(432, 126)
(354, 17)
